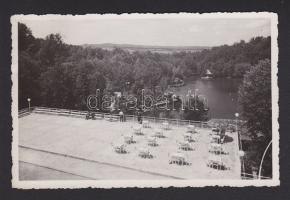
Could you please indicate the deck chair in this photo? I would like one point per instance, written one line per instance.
(144, 153)
(215, 129)
(215, 139)
(185, 145)
(216, 148)
(178, 158)
(146, 124)
(190, 129)
(158, 133)
(137, 130)
(129, 139)
(165, 125)
(188, 137)
(152, 141)
(216, 162)
(120, 148)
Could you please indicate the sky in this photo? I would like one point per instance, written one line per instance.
(152, 31)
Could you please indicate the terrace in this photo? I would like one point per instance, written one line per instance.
(61, 144)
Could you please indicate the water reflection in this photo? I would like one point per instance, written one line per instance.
(221, 93)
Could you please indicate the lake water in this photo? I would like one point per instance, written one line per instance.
(221, 94)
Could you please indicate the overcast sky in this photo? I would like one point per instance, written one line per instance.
(164, 32)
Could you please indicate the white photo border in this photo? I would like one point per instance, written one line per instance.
(275, 181)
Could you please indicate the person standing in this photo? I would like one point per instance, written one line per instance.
(121, 114)
(139, 116)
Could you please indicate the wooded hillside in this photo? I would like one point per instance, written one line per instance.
(56, 74)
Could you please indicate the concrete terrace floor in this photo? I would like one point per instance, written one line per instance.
(61, 148)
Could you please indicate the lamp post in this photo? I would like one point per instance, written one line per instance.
(241, 155)
(127, 85)
(237, 116)
(195, 99)
(28, 99)
(240, 143)
(241, 152)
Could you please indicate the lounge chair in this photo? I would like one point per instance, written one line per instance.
(188, 137)
(129, 139)
(217, 149)
(178, 158)
(144, 153)
(120, 148)
(215, 139)
(216, 162)
(215, 130)
(137, 129)
(152, 141)
(190, 129)
(185, 145)
(158, 133)
(165, 125)
(146, 124)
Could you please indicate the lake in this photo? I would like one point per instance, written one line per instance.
(221, 94)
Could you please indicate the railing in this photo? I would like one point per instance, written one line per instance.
(248, 176)
(99, 115)
(61, 112)
(23, 112)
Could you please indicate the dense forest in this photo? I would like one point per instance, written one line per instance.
(56, 74)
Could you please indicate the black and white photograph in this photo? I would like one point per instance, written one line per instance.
(145, 100)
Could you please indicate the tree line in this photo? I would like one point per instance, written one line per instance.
(56, 74)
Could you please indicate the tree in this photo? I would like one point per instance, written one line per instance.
(255, 101)
(25, 37)
(53, 51)
(28, 66)
(28, 79)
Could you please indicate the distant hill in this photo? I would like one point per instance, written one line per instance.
(157, 49)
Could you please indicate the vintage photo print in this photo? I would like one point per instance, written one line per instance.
(145, 100)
